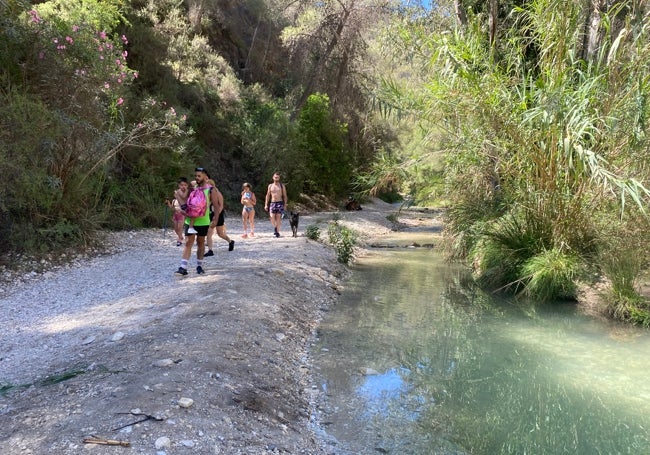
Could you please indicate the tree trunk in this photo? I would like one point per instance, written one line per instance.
(322, 60)
(340, 76)
(493, 21)
(246, 69)
(460, 13)
(593, 32)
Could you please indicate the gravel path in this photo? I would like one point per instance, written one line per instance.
(219, 362)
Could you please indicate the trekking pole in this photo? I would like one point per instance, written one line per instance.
(165, 221)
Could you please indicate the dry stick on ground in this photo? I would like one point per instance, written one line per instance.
(106, 442)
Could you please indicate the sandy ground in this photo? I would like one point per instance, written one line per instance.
(115, 347)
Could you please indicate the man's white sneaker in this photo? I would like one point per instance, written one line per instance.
(191, 231)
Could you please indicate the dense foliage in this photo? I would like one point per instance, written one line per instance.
(104, 104)
(543, 132)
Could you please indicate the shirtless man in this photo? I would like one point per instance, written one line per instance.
(220, 226)
(277, 193)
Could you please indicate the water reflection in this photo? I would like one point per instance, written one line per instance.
(378, 390)
(417, 360)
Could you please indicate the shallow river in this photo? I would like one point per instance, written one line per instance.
(415, 360)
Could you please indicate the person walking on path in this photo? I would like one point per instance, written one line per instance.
(178, 219)
(201, 224)
(276, 194)
(248, 200)
(220, 225)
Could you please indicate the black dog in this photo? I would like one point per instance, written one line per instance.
(293, 221)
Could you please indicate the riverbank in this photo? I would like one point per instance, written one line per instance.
(214, 363)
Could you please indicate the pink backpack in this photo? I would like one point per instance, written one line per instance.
(196, 203)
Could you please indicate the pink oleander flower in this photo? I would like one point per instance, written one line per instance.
(118, 62)
(69, 39)
(75, 28)
(35, 18)
(119, 81)
(135, 75)
(107, 85)
(102, 35)
(124, 40)
(55, 40)
(120, 101)
(124, 54)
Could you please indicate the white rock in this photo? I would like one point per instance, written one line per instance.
(163, 443)
(117, 336)
(188, 443)
(163, 362)
(185, 402)
(89, 340)
(368, 372)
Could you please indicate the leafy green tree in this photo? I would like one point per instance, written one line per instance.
(321, 141)
(67, 113)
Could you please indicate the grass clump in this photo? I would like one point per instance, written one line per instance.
(517, 256)
(624, 302)
(551, 275)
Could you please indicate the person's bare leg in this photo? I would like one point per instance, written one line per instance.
(251, 222)
(278, 222)
(272, 217)
(187, 250)
(209, 238)
(200, 248)
(178, 228)
(187, 253)
(221, 232)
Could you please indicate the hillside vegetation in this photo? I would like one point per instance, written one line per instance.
(104, 104)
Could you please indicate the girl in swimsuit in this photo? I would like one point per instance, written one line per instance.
(248, 212)
(178, 218)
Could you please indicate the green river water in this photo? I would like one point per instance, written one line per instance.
(416, 360)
